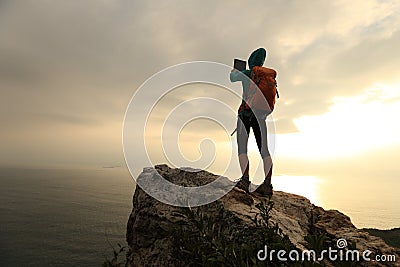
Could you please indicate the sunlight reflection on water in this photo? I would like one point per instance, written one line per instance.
(307, 186)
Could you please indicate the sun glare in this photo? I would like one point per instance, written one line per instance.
(306, 186)
(353, 125)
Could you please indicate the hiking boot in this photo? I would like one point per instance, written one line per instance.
(244, 183)
(264, 190)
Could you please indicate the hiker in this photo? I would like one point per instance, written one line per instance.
(252, 113)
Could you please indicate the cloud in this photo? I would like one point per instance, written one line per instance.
(352, 127)
(80, 62)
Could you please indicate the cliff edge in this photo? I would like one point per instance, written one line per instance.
(152, 225)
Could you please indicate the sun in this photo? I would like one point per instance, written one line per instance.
(352, 126)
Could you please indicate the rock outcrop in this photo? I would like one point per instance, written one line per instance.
(148, 230)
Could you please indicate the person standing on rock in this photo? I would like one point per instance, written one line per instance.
(259, 91)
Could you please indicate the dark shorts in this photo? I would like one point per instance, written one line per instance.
(247, 120)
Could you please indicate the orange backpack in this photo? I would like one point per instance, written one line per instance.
(264, 78)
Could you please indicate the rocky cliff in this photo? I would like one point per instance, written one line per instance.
(150, 229)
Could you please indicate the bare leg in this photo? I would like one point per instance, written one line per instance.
(244, 164)
(265, 189)
(267, 162)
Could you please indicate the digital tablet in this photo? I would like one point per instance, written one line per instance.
(239, 64)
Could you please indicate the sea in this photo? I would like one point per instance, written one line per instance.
(59, 217)
(63, 217)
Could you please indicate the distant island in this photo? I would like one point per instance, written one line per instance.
(391, 237)
(112, 166)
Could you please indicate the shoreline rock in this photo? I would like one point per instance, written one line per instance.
(150, 222)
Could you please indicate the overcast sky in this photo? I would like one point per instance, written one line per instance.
(69, 68)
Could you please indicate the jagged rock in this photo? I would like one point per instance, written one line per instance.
(150, 222)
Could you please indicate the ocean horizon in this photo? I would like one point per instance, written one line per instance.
(57, 217)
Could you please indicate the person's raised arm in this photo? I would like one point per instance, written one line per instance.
(236, 75)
